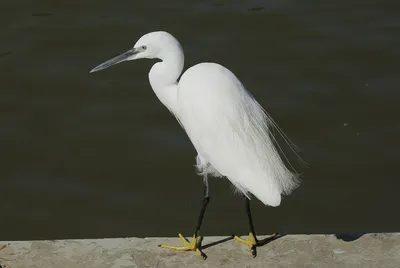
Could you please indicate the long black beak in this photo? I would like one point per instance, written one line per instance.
(118, 59)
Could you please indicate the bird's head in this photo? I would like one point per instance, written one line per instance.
(152, 45)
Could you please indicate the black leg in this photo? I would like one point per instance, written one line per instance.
(206, 200)
(248, 210)
(253, 242)
(195, 244)
(253, 247)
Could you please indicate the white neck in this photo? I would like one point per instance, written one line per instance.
(164, 75)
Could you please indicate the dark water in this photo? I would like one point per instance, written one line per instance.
(99, 156)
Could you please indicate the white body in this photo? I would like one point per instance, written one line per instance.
(228, 128)
(230, 132)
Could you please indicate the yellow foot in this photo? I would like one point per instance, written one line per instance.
(253, 242)
(195, 245)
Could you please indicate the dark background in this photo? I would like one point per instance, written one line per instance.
(98, 155)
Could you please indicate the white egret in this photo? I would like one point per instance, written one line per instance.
(228, 127)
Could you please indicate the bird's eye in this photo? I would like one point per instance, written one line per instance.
(144, 47)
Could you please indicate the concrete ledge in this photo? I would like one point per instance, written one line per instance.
(370, 250)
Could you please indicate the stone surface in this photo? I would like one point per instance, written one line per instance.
(369, 250)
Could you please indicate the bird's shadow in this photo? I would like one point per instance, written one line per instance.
(217, 242)
(268, 240)
(261, 242)
(347, 237)
(265, 241)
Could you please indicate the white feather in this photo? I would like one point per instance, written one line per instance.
(229, 129)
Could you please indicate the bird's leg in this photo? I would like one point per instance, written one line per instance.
(195, 245)
(253, 242)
